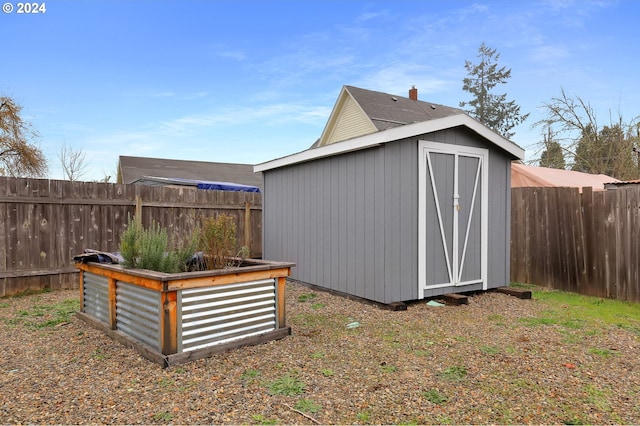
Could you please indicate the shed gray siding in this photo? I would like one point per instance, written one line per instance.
(350, 221)
(343, 219)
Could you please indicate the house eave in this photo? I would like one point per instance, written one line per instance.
(394, 134)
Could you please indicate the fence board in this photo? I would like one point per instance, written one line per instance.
(586, 243)
(44, 223)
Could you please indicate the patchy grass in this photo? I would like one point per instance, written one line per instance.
(490, 350)
(262, 420)
(163, 416)
(327, 372)
(388, 368)
(250, 375)
(578, 311)
(308, 406)
(498, 360)
(287, 385)
(40, 315)
(434, 396)
(306, 297)
(455, 373)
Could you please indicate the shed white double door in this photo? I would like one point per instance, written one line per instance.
(452, 216)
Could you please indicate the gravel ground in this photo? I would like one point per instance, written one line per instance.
(495, 360)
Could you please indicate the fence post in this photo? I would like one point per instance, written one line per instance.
(247, 226)
(138, 214)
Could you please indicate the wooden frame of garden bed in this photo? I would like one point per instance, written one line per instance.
(168, 287)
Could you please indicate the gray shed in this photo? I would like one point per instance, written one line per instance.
(400, 210)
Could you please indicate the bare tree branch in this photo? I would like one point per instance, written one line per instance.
(73, 162)
(18, 155)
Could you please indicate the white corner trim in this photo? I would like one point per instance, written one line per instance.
(401, 132)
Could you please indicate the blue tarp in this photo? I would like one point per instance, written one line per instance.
(227, 186)
(200, 184)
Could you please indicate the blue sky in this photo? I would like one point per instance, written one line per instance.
(249, 81)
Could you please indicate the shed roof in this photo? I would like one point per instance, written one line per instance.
(532, 176)
(394, 134)
(131, 169)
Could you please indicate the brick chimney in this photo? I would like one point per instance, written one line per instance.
(413, 93)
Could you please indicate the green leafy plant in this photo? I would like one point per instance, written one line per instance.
(218, 242)
(152, 249)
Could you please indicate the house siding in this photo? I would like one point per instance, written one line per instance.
(352, 122)
(350, 222)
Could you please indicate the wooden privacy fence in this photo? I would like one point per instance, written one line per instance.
(585, 242)
(44, 223)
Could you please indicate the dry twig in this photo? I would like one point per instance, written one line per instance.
(301, 413)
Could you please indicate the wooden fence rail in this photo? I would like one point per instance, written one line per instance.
(44, 223)
(586, 242)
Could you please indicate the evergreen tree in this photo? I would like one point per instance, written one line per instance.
(553, 155)
(494, 111)
(610, 150)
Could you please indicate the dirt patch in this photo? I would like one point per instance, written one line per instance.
(498, 359)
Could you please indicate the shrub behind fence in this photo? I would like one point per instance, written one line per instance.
(586, 242)
(44, 223)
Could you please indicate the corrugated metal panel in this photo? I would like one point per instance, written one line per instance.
(138, 313)
(96, 296)
(214, 315)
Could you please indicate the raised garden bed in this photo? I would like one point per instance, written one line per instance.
(179, 317)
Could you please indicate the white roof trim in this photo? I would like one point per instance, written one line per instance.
(391, 135)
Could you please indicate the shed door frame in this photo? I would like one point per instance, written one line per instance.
(454, 262)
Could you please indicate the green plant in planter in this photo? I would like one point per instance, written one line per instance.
(152, 249)
(218, 242)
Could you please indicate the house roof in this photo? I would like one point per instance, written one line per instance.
(532, 176)
(359, 111)
(131, 169)
(622, 184)
(394, 134)
(388, 111)
(364, 118)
